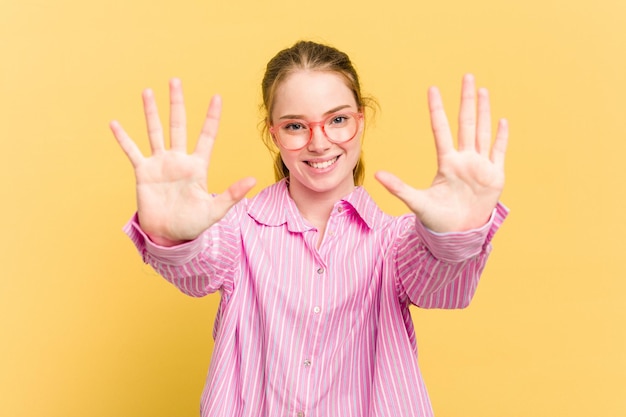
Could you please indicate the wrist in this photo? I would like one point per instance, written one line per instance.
(163, 241)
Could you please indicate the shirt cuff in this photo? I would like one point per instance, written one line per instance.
(459, 246)
(172, 255)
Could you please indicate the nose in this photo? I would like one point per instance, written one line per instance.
(319, 142)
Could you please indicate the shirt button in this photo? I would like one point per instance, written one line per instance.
(300, 413)
(307, 363)
(339, 209)
(331, 233)
(320, 270)
(317, 309)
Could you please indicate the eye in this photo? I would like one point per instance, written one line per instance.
(294, 126)
(339, 119)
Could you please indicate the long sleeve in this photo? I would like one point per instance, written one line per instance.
(442, 270)
(198, 267)
(319, 329)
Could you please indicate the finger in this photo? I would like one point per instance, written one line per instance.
(467, 114)
(224, 201)
(126, 143)
(498, 151)
(178, 117)
(398, 188)
(444, 142)
(155, 130)
(209, 128)
(483, 126)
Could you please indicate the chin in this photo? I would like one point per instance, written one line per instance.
(330, 184)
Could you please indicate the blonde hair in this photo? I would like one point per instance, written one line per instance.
(307, 55)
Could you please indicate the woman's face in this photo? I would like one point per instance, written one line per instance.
(322, 168)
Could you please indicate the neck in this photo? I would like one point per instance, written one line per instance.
(315, 206)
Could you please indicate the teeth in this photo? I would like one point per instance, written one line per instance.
(322, 165)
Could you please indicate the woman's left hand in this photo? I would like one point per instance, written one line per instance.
(469, 179)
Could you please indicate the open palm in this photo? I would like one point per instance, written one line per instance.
(173, 203)
(470, 179)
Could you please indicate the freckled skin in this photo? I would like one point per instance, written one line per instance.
(311, 94)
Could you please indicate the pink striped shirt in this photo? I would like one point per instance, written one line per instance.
(321, 332)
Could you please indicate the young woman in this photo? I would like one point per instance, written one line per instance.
(315, 281)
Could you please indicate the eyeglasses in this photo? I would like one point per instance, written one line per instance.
(295, 134)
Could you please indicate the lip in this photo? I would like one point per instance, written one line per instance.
(320, 161)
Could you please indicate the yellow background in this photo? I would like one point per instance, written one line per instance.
(87, 330)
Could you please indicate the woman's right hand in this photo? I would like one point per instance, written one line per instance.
(173, 203)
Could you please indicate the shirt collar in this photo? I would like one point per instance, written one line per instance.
(273, 206)
(363, 206)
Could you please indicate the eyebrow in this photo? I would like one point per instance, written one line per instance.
(299, 116)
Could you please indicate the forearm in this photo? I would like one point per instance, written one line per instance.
(197, 267)
(442, 270)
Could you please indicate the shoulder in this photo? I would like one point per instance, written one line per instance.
(269, 205)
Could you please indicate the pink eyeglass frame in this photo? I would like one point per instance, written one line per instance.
(311, 125)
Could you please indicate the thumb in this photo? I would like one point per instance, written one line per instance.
(224, 201)
(409, 195)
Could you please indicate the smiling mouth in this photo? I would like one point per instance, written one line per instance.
(322, 165)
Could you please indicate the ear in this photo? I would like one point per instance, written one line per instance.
(362, 120)
(268, 126)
